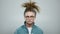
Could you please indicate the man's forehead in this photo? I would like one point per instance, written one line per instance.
(29, 14)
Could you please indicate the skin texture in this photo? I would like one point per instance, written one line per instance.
(29, 18)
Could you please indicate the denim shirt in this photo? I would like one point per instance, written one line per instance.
(23, 30)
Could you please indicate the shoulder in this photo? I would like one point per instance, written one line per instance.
(38, 29)
(19, 29)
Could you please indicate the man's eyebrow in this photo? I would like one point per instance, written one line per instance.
(32, 15)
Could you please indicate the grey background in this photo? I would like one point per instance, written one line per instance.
(11, 16)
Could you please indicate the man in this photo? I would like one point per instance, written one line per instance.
(29, 26)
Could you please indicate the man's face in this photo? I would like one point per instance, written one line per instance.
(29, 17)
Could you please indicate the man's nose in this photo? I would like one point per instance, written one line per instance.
(29, 18)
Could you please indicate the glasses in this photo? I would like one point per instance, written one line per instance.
(30, 16)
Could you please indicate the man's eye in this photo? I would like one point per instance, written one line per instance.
(27, 16)
(31, 16)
